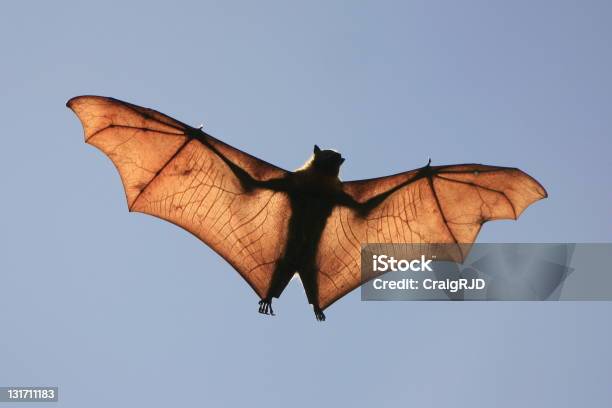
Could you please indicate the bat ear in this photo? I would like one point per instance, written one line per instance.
(316, 149)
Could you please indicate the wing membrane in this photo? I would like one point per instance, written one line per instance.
(433, 205)
(188, 181)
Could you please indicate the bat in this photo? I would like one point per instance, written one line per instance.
(271, 224)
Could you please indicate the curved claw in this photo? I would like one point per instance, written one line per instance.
(319, 315)
(265, 307)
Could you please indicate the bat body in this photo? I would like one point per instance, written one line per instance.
(269, 223)
(313, 193)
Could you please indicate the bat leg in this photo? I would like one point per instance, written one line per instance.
(309, 280)
(265, 306)
(280, 278)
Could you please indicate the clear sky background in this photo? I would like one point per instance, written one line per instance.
(126, 310)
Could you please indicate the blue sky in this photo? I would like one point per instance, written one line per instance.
(95, 298)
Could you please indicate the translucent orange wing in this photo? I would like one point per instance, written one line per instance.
(437, 205)
(182, 175)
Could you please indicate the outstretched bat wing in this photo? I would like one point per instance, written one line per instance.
(181, 174)
(431, 205)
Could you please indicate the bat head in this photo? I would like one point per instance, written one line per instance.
(327, 162)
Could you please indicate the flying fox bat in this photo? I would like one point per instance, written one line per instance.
(270, 223)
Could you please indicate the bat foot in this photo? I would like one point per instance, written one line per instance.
(265, 307)
(319, 315)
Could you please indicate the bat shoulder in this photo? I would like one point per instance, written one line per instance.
(311, 180)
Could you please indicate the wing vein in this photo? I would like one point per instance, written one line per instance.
(503, 193)
(159, 171)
